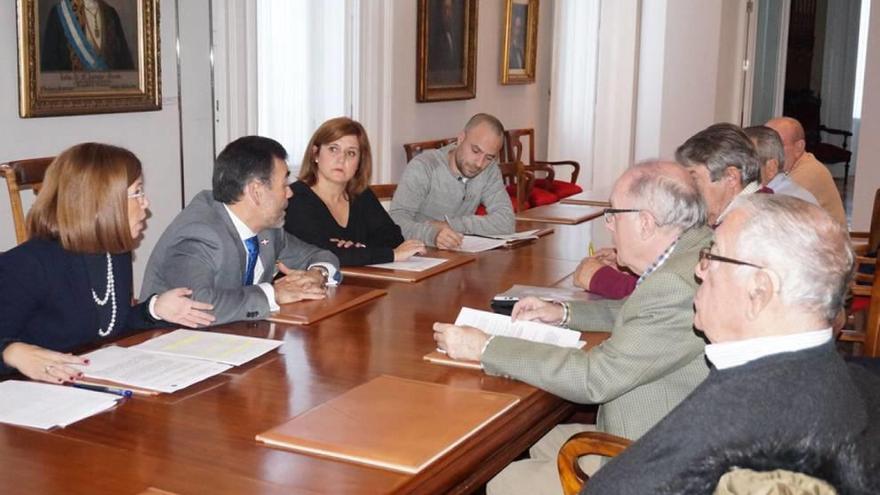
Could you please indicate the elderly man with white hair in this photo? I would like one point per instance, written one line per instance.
(653, 358)
(767, 309)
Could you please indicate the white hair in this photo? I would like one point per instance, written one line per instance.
(667, 190)
(801, 243)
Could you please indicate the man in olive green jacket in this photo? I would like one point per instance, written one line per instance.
(653, 358)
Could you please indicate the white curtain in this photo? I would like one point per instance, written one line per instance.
(304, 66)
(839, 64)
(573, 85)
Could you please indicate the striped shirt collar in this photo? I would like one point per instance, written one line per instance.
(658, 262)
(731, 354)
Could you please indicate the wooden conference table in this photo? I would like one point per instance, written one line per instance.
(201, 439)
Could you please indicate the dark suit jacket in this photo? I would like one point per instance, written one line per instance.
(47, 298)
(201, 250)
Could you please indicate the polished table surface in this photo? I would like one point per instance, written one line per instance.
(201, 439)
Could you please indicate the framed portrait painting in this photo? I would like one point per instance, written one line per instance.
(446, 56)
(520, 47)
(88, 56)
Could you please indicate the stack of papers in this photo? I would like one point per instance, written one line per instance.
(45, 406)
(175, 360)
(414, 264)
(495, 324)
(479, 243)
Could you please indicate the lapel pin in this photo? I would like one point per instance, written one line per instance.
(264, 242)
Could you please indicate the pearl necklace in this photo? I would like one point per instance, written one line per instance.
(111, 295)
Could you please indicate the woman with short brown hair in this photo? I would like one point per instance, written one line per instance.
(71, 283)
(332, 205)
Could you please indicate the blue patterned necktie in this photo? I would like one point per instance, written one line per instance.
(253, 249)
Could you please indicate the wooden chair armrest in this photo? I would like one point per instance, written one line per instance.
(580, 444)
(861, 290)
(539, 167)
(859, 234)
(574, 165)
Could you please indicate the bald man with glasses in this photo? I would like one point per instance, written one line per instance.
(653, 358)
(776, 375)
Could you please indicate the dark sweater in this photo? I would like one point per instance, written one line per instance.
(368, 223)
(784, 396)
(47, 297)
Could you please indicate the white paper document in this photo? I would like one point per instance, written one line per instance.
(44, 406)
(148, 370)
(476, 244)
(414, 264)
(495, 324)
(210, 346)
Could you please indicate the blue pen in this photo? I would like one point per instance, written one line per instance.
(100, 388)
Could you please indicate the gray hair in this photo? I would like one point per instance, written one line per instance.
(802, 244)
(720, 146)
(768, 143)
(669, 193)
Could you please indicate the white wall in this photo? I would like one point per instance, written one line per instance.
(517, 106)
(678, 73)
(152, 136)
(867, 176)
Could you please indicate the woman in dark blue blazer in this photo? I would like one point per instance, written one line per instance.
(70, 285)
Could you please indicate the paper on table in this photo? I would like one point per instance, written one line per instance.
(128, 366)
(495, 324)
(476, 244)
(44, 406)
(210, 346)
(526, 234)
(414, 264)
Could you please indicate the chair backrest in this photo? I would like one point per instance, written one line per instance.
(384, 193)
(871, 347)
(413, 149)
(513, 173)
(513, 145)
(21, 175)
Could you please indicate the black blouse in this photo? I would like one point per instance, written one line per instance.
(368, 223)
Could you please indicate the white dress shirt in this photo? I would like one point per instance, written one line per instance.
(737, 353)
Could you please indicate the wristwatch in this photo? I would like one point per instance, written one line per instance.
(324, 272)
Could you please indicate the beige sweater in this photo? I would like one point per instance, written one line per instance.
(809, 173)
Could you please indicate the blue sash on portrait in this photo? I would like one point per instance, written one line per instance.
(80, 43)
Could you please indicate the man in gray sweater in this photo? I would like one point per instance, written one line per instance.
(440, 190)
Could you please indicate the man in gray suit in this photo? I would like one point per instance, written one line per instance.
(653, 358)
(228, 244)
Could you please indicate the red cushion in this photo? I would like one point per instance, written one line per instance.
(860, 303)
(511, 191)
(560, 188)
(541, 197)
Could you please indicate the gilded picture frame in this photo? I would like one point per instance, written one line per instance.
(446, 55)
(88, 56)
(520, 48)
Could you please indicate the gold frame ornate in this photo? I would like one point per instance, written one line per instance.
(143, 94)
(526, 74)
(444, 92)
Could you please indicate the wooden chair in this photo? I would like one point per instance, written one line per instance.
(580, 444)
(383, 192)
(21, 175)
(413, 149)
(518, 182)
(861, 300)
(513, 143)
